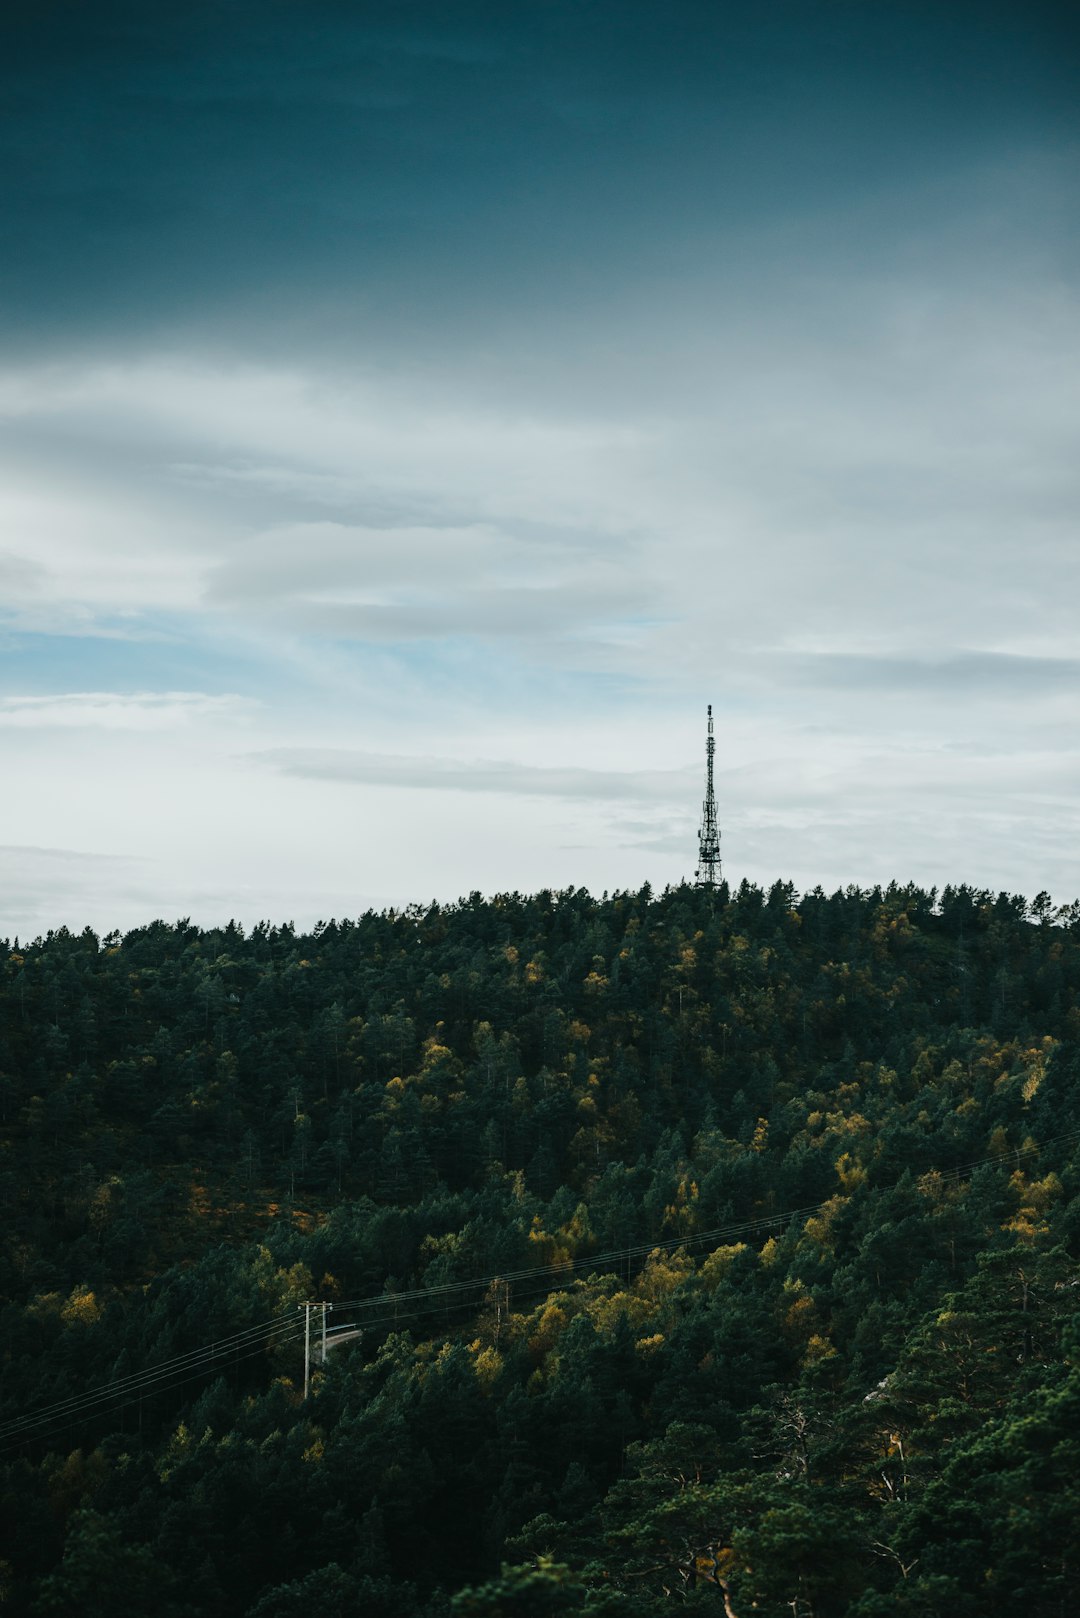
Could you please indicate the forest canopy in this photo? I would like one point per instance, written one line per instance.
(695, 1251)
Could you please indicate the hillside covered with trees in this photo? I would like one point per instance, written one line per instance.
(710, 1252)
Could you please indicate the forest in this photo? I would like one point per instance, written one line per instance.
(697, 1251)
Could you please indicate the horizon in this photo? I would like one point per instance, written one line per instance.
(1040, 909)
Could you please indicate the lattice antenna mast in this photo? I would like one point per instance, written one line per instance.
(707, 874)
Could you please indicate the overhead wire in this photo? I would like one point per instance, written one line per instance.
(283, 1329)
(104, 1402)
(54, 1423)
(220, 1349)
(749, 1226)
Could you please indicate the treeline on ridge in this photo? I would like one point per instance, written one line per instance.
(862, 1407)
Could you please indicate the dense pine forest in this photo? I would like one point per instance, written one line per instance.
(699, 1252)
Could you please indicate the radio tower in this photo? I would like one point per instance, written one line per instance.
(707, 874)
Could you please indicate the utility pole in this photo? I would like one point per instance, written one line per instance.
(307, 1346)
(307, 1308)
(707, 874)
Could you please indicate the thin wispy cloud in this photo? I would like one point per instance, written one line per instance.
(481, 775)
(112, 710)
(992, 676)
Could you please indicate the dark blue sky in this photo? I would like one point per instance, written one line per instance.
(398, 173)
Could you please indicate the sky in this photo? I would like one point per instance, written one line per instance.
(412, 416)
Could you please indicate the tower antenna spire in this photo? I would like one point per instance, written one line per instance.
(707, 874)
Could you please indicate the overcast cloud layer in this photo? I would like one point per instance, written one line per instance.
(411, 416)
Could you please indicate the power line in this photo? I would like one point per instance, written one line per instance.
(283, 1329)
(55, 1423)
(139, 1380)
(743, 1227)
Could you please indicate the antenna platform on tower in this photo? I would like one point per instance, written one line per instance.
(707, 874)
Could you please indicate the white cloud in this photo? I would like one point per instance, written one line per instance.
(113, 710)
(415, 583)
(44, 888)
(906, 486)
(20, 576)
(859, 543)
(89, 557)
(481, 775)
